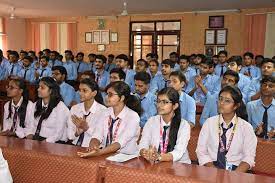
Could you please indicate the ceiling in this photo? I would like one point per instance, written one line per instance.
(45, 8)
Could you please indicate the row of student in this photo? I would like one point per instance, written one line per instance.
(226, 140)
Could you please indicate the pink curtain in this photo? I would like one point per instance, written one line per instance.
(53, 36)
(255, 28)
(35, 37)
(4, 37)
(72, 33)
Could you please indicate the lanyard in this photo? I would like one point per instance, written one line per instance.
(163, 146)
(222, 148)
(116, 130)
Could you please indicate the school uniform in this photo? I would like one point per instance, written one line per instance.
(123, 129)
(240, 143)
(220, 69)
(151, 135)
(56, 62)
(84, 139)
(129, 79)
(44, 72)
(71, 69)
(254, 71)
(158, 83)
(83, 66)
(210, 107)
(256, 114)
(33, 64)
(5, 175)
(187, 108)
(254, 87)
(28, 74)
(13, 123)
(189, 73)
(3, 72)
(13, 69)
(67, 92)
(102, 78)
(77, 97)
(109, 67)
(152, 77)
(176, 67)
(53, 129)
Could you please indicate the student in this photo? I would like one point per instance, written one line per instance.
(142, 65)
(153, 68)
(161, 81)
(118, 126)
(117, 74)
(222, 65)
(202, 84)
(110, 63)
(44, 70)
(165, 136)
(249, 69)
(82, 66)
(142, 84)
(5, 175)
(27, 72)
(210, 109)
(46, 52)
(188, 71)
(70, 67)
(197, 61)
(4, 64)
(101, 76)
(174, 57)
(82, 123)
(17, 111)
(53, 61)
(235, 64)
(92, 58)
(261, 112)
(267, 69)
(50, 115)
(35, 62)
(22, 55)
(13, 68)
(187, 103)
(122, 62)
(258, 61)
(215, 60)
(67, 92)
(149, 57)
(227, 141)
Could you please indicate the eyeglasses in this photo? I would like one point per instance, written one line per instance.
(225, 100)
(109, 95)
(162, 102)
(11, 87)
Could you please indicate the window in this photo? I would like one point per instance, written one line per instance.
(161, 37)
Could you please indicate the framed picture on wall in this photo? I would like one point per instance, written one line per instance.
(216, 22)
(220, 48)
(105, 37)
(209, 37)
(221, 36)
(209, 51)
(88, 37)
(114, 36)
(101, 48)
(96, 37)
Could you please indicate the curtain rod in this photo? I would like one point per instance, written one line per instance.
(55, 22)
(261, 13)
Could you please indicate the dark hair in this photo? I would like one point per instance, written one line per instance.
(201, 56)
(174, 53)
(259, 56)
(61, 69)
(208, 62)
(156, 62)
(24, 52)
(216, 56)
(15, 53)
(149, 55)
(223, 52)
(268, 79)
(55, 98)
(69, 52)
(29, 58)
(237, 96)
(101, 57)
(173, 96)
(23, 107)
(45, 57)
(266, 60)
(232, 73)
(60, 57)
(47, 50)
(88, 73)
(120, 72)
(123, 57)
(273, 57)
(237, 59)
(32, 52)
(92, 55)
(249, 54)
(179, 75)
(168, 62)
(111, 56)
(55, 52)
(143, 76)
(131, 101)
(94, 87)
(185, 57)
(80, 53)
(142, 60)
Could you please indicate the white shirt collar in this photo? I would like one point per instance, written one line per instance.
(18, 104)
(92, 109)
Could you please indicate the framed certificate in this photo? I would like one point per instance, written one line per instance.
(96, 37)
(209, 37)
(220, 48)
(216, 22)
(114, 37)
(221, 37)
(88, 37)
(101, 48)
(105, 37)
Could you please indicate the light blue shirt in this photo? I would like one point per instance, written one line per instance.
(77, 97)
(158, 83)
(130, 80)
(16, 69)
(152, 77)
(3, 68)
(218, 69)
(148, 106)
(33, 65)
(102, 78)
(187, 108)
(29, 74)
(56, 63)
(5, 62)
(109, 67)
(83, 66)
(68, 93)
(189, 73)
(71, 68)
(255, 111)
(255, 72)
(210, 107)
(254, 87)
(46, 73)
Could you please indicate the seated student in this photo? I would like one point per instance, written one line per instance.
(160, 81)
(110, 63)
(142, 84)
(82, 123)
(174, 57)
(82, 65)
(165, 136)
(27, 72)
(249, 69)
(70, 67)
(67, 92)
(14, 68)
(222, 65)
(17, 111)
(187, 103)
(5, 175)
(201, 85)
(60, 58)
(258, 61)
(153, 68)
(4, 64)
(50, 115)
(227, 141)
(35, 63)
(44, 70)
(149, 57)
(117, 74)
(188, 71)
(122, 62)
(267, 69)
(22, 55)
(235, 64)
(210, 109)
(215, 60)
(101, 76)
(197, 61)
(53, 61)
(261, 112)
(142, 65)
(118, 126)
(46, 52)
(92, 58)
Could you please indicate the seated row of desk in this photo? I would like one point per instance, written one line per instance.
(33, 161)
